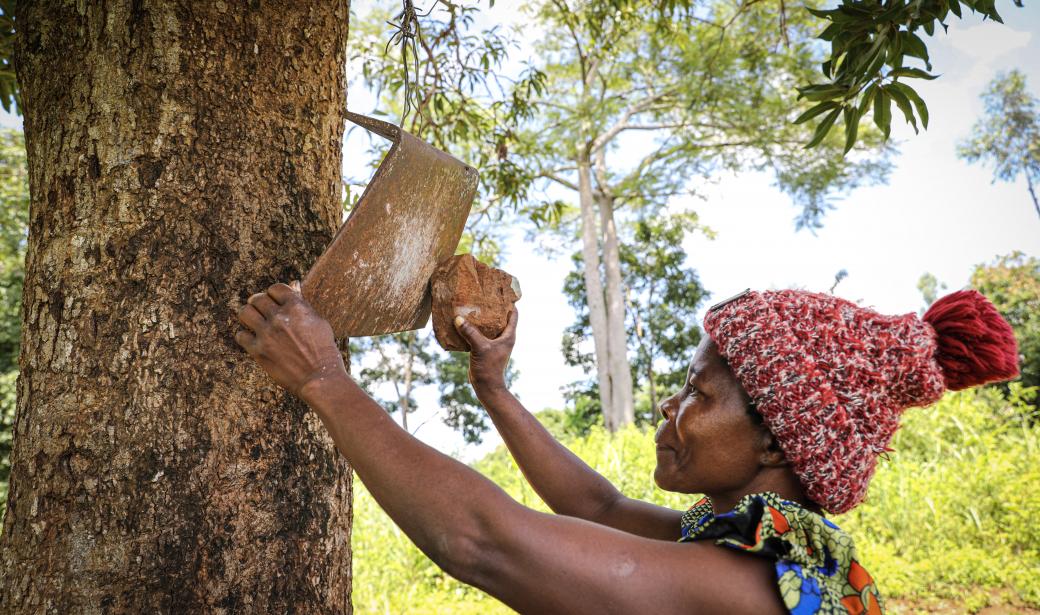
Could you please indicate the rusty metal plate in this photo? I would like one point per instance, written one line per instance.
(374, 277)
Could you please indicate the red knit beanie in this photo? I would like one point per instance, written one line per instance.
(831, 378)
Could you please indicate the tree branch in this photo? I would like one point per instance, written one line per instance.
(559, 180)
(639, 107)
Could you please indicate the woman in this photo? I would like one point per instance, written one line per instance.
(788, 401)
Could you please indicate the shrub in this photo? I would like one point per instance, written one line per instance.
(950, 514)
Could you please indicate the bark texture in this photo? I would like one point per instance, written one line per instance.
(182, 155)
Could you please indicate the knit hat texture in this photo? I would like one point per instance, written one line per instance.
(831, 378)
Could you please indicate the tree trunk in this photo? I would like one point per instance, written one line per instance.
(1032, 193)
(617, 337)
(594, 290)
(182, 155)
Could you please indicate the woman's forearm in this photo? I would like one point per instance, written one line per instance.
(565, 482)
(441, 504)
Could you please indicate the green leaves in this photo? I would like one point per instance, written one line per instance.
(824, 127)
(883, 112)
(9, 93)
(865, 37)
(903, 103)
(916, 73)
(909, 93)
(814, 111)
(881, 98)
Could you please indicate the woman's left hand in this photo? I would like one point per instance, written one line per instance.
(290, 341)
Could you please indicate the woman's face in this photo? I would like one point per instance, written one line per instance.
(707, 442)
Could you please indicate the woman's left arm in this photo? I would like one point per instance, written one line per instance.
(443, 505)
(470, 527)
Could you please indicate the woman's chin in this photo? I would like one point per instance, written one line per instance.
(661, 478)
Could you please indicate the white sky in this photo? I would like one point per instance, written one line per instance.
(936, 214)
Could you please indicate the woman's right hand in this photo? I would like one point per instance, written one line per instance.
(488, 358)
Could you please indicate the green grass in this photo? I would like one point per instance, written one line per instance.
(953, 515)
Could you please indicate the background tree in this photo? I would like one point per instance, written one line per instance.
(1008, 136)
(462, 410)
(440, 77)
(662, 297)
(703, 82)
(685, 95)
(14, 215)
(14, 222)
(930, 288)
(404, 361)
(182, 156)
(1012, 283)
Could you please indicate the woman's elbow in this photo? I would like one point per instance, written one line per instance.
(469, 556)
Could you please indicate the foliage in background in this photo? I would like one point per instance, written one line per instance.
(9, 94)
(1012, 283)
(454, 93)
(404, 361)
(950, 515)
(930, 287)
(662, 295)
(14, 226)
(870, 42)
(1007, 137)
(439, 76)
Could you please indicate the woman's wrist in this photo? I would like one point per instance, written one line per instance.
(491, 392)
(316, 391)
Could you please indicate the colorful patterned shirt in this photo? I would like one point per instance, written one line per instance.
(816, 565)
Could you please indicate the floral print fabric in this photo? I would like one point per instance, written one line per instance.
(816, 565)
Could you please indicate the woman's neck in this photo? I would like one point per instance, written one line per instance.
(781, 481)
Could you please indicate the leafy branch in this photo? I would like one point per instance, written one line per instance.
(869, 43)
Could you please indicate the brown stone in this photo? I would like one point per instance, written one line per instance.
(483, 295)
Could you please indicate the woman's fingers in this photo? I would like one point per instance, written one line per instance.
(251, 317)
(470, 333)
(245, 338)
(510, 331)
(263, 304)
(282, 293)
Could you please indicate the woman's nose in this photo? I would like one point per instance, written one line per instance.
(667, 407)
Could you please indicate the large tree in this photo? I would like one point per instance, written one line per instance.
(1012, 283)
(662, 296)
(1007, 137)
(641, 103)
(181, 155)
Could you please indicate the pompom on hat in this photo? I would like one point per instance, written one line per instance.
(831, 378)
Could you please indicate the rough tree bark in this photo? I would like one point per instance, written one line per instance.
(182, 155)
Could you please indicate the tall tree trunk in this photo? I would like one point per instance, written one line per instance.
(594, 289)
(617, 337)
(182, 155)
(1032, 193)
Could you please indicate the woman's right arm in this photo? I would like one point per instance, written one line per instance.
(565, 482)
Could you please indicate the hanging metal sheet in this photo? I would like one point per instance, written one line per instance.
(374, 277)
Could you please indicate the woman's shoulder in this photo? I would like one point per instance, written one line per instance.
(816, 566)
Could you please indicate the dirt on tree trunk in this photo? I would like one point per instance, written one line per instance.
(182, 155)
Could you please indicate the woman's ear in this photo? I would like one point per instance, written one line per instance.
(771, 456)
